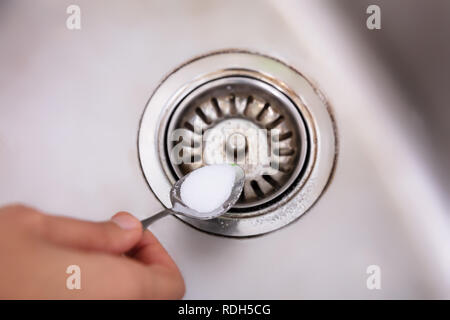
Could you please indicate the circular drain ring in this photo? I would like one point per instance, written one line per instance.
(310, 102)
(205, 110)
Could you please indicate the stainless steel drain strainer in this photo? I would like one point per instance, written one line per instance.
(234, 110)
(240, 107)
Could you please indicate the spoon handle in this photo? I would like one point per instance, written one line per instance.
(148, 221)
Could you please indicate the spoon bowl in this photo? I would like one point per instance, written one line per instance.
(180, 208)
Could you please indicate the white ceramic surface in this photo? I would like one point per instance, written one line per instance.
(70, 104)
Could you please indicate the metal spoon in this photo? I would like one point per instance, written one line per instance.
(178, 207)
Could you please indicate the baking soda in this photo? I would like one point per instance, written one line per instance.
(207, 188)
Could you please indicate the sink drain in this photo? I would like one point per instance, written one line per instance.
(244, 108)
(249, 112)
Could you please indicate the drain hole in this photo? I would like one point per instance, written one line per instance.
(257, 189)
(242, 196)
(202, 115)
(233, 109)
(189, 126)
(285, 152)
(282, 136)
(262, 112)
(249, 101)
(284, 168)
(216, 107)
(274, 183)
(275, 122)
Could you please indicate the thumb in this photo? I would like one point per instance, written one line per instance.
(118, 235)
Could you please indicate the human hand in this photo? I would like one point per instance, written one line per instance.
(116, 258)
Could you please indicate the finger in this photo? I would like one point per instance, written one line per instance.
(162, 274)
(119, 235)
(150, 252)
(161, 283)
(119, 277)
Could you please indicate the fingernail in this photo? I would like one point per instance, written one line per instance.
(126, 221)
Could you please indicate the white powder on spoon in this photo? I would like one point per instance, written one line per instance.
(207, 188)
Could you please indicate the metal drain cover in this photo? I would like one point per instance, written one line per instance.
(248, 109)
(234, 119)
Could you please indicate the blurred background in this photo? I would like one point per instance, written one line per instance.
(71, 101)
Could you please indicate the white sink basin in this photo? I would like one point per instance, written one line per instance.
(70, 105)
